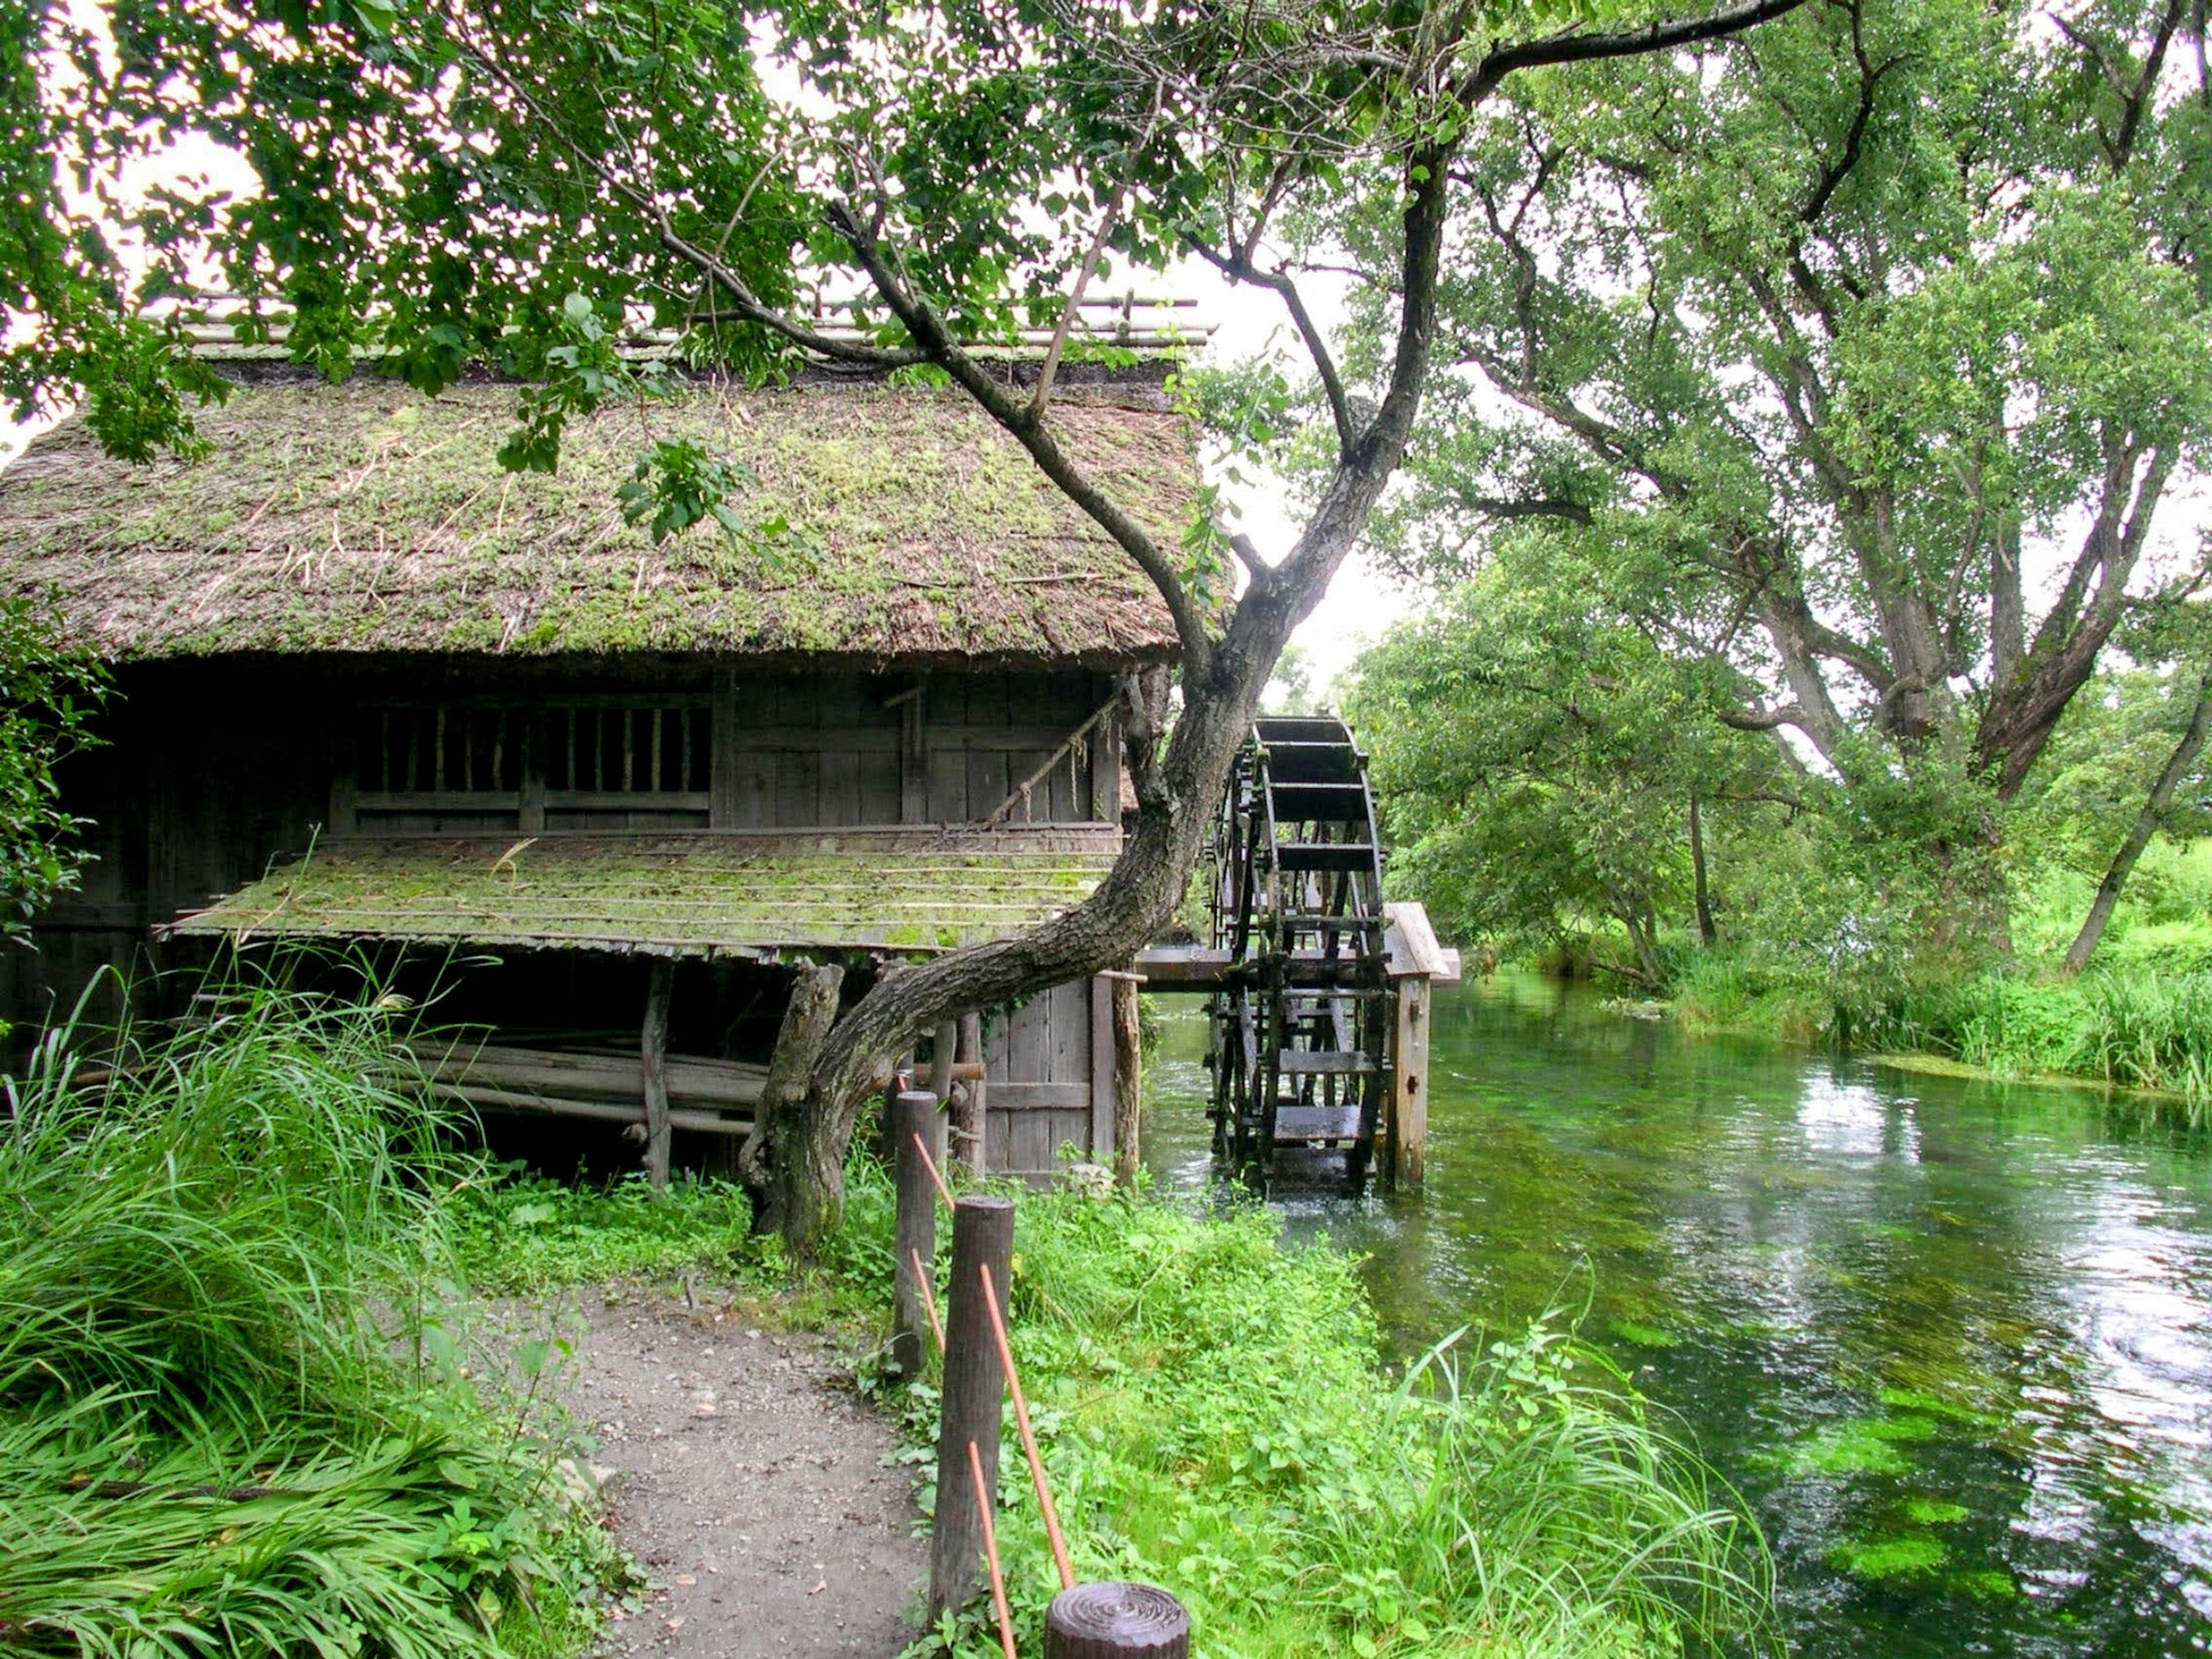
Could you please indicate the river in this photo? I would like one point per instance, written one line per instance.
(1952, 1340)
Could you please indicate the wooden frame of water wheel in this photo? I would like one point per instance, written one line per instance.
(1301, 1021)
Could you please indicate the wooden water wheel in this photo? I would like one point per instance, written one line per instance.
(1300, 1025)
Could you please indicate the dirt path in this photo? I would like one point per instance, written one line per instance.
(754, 1493)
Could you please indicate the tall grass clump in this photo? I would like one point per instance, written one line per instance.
(2128, 1027)
(234, 1413)
(1216, 1421)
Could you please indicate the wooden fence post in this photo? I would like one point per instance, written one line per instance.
(1114, 1620)
(913, 1113)
(975, 1386)
(653, 1051)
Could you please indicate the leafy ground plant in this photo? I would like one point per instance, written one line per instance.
(237, 1412)
(1214, 1421)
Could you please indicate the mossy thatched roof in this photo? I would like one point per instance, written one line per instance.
(361, 518)
(763, 897)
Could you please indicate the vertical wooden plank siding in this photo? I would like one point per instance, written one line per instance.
(722, 765)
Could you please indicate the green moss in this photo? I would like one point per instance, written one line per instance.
(1934, 1512)
(1860, 1445)
(909, 525)
(1643, 1336)
(1908, 1556)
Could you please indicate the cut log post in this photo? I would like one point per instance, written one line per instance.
(1128, 1080)
(969, 1100)
(1409, 1082)
(652, 1051)
(975, 1386)
(914, 1117)
(1114, 1622)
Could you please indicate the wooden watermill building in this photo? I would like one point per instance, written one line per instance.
(375, 693)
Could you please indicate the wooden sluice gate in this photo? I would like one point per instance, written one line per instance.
(1317, 990)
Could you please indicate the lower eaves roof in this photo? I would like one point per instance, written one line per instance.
(766, 898)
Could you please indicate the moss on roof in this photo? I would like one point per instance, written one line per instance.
(905, 893)
(365, 518)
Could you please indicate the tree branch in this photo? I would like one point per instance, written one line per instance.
(1238, 268)
(1028, 428)
(1574, 47)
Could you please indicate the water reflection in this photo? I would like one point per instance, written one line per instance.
(1954, 1340)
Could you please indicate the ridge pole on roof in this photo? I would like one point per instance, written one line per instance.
(652, 1051)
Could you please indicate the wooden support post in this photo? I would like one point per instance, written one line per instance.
(1409, 1081)
(975, 1384)
(942, 1048)
(913, 1113)
(1128, 1080)
(1114, 1622)
(969, 1102)
(652, 1051)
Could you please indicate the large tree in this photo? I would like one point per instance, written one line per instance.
(1826, 331)
(443, 183)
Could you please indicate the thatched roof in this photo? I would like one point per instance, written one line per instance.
(766, 898)
(364, 518)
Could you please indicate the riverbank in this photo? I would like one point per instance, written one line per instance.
(1951, 1340)
(1215, 1421)
(2142, 1029)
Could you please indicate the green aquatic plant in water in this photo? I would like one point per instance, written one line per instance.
(1643, 1336)
(1909, 1556)
(1935, 1511)
(1859, 1445)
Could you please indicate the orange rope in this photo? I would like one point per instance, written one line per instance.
(930, 1165)
(928, 1302)
(991, 1552)
(1029, 1435)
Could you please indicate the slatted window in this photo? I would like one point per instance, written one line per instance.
(597, 751)
(440, 751)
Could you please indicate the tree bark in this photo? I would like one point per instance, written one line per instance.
(653, 1054)
(1128, 1081)
(2154, 809)
(793, 1175)
(969, 1138)
(1708, 935)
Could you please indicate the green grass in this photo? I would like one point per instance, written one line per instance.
(1215, 1421)
(2144, 1027)
(236, 1405)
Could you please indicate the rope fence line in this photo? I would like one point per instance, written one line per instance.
(1086, 1620)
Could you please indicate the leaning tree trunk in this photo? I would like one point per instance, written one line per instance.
(2153, 813)
(1177, 789)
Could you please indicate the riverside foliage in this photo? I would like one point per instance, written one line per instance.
(239, 1411)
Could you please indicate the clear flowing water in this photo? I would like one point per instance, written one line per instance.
(1952, 1340)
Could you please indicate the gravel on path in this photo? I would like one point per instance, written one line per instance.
(755, 1495)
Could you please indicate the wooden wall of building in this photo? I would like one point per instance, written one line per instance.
(214, 769)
